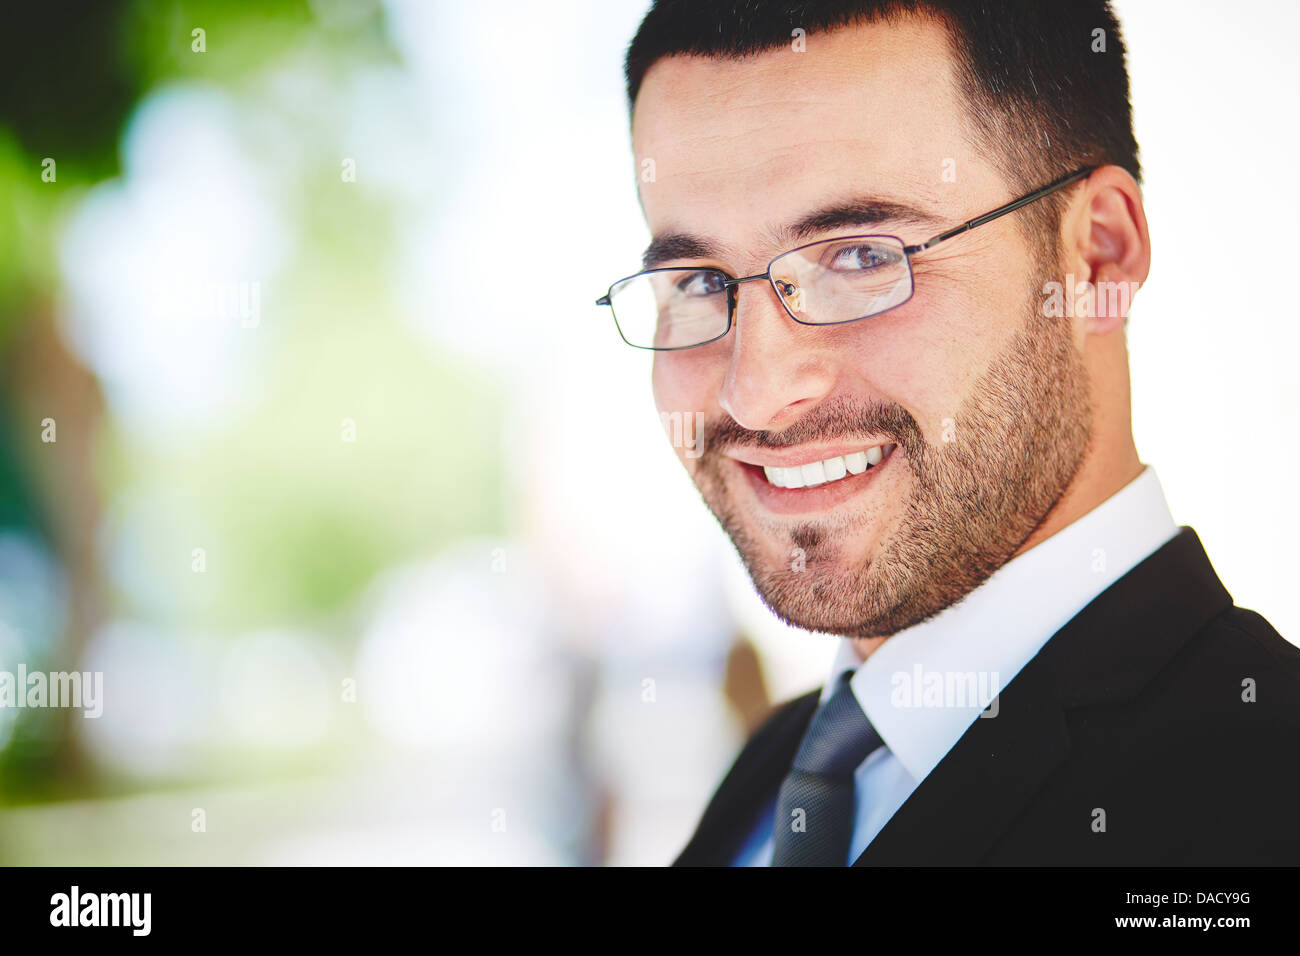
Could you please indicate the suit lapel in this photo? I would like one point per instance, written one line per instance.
(981, 785)
(1105, 654)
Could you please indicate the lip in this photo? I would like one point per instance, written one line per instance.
(789, 501)
(803, 455)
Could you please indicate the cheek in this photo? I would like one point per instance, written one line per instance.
(685, 395)
(916, 364)
(925, 357)
(684, 382)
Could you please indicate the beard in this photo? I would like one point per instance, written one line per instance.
(1016, 442)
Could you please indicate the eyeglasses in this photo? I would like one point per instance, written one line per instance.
(828, 282)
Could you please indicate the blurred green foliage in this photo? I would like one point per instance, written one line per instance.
(295, 521)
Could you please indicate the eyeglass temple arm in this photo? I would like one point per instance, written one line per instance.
(1012, 206)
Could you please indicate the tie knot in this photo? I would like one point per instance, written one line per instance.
(840, 736)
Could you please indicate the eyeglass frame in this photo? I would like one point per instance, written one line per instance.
(730, 283)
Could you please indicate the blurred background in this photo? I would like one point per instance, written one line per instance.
(361, 507)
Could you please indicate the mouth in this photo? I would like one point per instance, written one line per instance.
(816, 483)
(826, 470)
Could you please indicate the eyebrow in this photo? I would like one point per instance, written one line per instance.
(861, 212)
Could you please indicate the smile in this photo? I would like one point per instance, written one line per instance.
(827, 470)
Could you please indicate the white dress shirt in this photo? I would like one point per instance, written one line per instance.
(990, 635)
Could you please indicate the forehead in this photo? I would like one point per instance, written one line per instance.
(741, 144)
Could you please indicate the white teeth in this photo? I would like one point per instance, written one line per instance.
(781, 477)
(820, 472)
(813, 474)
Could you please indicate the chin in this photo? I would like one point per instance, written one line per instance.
(815, 599)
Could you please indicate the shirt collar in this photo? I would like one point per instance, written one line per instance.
(925, 686)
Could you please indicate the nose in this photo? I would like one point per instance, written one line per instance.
(778, 369)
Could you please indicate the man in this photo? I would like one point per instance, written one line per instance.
(914, 397)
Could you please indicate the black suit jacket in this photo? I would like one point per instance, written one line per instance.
(1134, 708)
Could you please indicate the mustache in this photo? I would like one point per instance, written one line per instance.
(841, 419)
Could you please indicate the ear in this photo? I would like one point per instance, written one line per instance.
(1109, 246)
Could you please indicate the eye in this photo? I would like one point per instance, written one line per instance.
(861, 257)
(701, 283)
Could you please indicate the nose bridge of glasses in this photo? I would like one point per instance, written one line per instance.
(783, 286)
(731, 283)
(779, 302)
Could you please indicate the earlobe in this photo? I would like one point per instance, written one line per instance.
(1113, 246)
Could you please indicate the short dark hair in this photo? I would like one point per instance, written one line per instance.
(1046, 92)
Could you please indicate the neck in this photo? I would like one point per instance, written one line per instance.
(1090, 488)
(1111, 459)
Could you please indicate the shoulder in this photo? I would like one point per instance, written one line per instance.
(785, 714)
(784, 724)
(1235, 680)
(1228, 705)
(1240, 645)
(756, 771)
(1256, 637)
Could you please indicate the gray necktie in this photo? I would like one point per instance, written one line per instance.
(814, 811)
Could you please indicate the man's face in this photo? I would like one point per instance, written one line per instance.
(977, 403)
